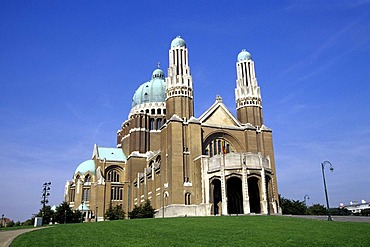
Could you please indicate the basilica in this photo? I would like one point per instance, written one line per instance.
(213, 164)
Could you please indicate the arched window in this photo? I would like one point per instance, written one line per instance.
(159, 123)
(72, 195)
(87, 178)
(218, 146)
(86, 194)
(151, 124)
(187, 198)
(113, 176)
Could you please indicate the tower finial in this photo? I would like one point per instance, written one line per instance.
(159, 65)
(218, 98)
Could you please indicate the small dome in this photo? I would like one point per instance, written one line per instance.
(178, 41)
(158, 73)
(244, 55)
(86, 166)
(151, 91)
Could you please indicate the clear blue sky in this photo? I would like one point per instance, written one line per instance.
(68, 71)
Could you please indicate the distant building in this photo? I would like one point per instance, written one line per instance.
(355, 207)
(4, 221)
(185, 165)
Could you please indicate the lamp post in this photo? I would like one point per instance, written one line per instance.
(305, 198)
(82, 211)
(326, 191)
(45, 195)
(65, 216)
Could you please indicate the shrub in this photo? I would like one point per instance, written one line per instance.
(115, 213)
(317, 209)
(365, 212)
(142, 211)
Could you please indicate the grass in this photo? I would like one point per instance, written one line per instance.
(203, 231)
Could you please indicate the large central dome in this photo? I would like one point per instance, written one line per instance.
(151, 91)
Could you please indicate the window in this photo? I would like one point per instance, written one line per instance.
(159, 123)
(87, 178)
(116, 193)
(151, 124)
(113, 176)
(72, 195)
(187, 198)
(86, 194)
(218, 146)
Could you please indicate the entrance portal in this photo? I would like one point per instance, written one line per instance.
(254, 195)
(216, 196)
(234, 196)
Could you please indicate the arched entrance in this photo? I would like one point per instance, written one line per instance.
(216, 196)
(254, 195)
(234, 196)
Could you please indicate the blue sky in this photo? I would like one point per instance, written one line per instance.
(69, 69)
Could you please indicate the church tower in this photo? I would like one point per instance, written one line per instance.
(179, 92)
(247, 92)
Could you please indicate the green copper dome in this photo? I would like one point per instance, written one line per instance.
(244, 55)
(178, 41)
(151, 91)
(86, 166)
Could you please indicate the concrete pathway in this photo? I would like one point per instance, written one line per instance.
(6, 237)
(348, 218)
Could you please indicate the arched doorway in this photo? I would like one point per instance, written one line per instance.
(234, 196)
(216, 196)
(254, 195)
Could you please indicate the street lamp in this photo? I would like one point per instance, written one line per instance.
(305, 198)
(45, 195)
(326, 191)
(82, 211)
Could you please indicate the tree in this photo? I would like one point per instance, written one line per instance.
(48, 217)
(142, 211)
(365, 212)
(317, 209)
(64, 214)
(115, 213)
(292, 206)
(339, 211)
(10, 224)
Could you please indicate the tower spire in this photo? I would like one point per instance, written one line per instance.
(247, 92)
(179, 92)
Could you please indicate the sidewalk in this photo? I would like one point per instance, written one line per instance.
(6, 237)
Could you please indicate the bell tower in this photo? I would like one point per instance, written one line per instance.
(179, 83)
(247, 92)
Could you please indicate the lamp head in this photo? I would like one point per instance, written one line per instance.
(331, 169)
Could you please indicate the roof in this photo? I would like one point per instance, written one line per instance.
(244, 55)
(83, 207)
(86, 166)
(110, 154)
(178, 42)
(151, 91)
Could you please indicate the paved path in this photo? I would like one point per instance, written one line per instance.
(6, 237)
(348, 218)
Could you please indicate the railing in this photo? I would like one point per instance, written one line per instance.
(237, 160)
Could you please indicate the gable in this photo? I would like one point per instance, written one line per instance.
(219, 115)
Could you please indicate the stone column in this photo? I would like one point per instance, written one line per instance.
(264, 192)
(246, 207)
(223, 187)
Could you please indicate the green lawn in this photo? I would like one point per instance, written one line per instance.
(203, 231)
